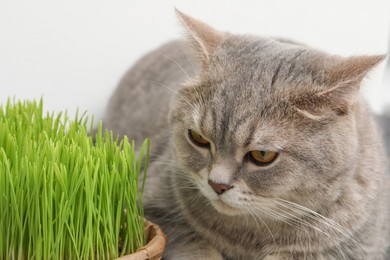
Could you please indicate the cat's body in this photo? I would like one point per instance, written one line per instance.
(324, 195)
(384, 122)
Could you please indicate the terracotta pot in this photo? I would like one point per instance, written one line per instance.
(154, 249)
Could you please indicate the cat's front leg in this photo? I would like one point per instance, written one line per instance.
(192, 251)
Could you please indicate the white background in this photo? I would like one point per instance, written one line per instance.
(73, 53)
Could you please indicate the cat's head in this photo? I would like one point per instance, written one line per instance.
(266, 120)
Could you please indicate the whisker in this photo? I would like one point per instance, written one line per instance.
(164, 86)
(329, 222)
(188, 58)
(292, 220)
(331, 225)
(280, 216)
(159, 157)
(174, 61)
(265, 225)
(175, 92)
(301, 221)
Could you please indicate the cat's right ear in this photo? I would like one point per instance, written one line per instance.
(203, 37)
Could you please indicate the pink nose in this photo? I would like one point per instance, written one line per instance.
(219, 188)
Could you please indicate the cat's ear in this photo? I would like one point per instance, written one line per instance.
(203, 37)
(343, 77)
(352, 69)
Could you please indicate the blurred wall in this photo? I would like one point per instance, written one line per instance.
(74, 52)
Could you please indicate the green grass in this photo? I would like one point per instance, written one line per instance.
(61, 195)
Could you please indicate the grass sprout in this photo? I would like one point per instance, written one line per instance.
(63, 193)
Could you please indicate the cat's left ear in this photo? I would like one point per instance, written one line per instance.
(203, 37)
(343, 77)
(351, 70)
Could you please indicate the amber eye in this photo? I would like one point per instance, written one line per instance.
(198, 139)
(262, 158)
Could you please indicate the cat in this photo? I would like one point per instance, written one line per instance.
(260, 148)
(384, 122)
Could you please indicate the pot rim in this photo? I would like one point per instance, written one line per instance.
(156, 243)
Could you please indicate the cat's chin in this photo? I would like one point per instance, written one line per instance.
(224, 208)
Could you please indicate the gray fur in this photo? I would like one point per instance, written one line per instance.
(327, 194)
(384, 122)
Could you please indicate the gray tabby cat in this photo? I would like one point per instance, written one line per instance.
(263, 149)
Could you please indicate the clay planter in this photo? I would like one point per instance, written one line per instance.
(153, 250)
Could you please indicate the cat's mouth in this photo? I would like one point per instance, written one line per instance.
(224, 208)
(220, 202)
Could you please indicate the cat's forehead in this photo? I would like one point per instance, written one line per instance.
(265, 63)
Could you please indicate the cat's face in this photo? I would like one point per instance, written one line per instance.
(267, 122)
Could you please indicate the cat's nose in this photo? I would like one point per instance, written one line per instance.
(219, 188)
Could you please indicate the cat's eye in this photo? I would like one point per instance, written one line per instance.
(198, 139)
(262, 158)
